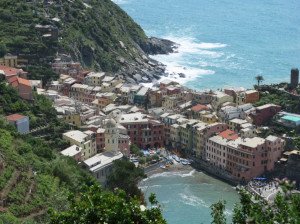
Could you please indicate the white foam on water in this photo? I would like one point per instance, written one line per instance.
(120, 2)
(168, 174)
(193, 200)
(178, 62)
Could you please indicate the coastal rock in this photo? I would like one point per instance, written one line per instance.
(155, 45)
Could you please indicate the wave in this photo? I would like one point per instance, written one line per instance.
(170, 174)
(191, 58)
(120, 2)
(193, 200)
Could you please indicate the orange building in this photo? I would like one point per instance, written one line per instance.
(249, 96)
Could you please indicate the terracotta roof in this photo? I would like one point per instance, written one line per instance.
(24, 82)
(200, 107)
(228, 134)
(9, 71)
(13, 79)
(102, 99)
(14, 117)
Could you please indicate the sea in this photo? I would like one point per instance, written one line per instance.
(186, 196)
(223, 43)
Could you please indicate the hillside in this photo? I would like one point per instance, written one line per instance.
(98, 33)
(32, 175)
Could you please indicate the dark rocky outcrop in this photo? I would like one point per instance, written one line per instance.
(155, 45)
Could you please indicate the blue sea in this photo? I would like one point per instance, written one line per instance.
(186, 196)
(223, 43)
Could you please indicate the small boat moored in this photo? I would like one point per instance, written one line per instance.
(176, 158)
(163, 167)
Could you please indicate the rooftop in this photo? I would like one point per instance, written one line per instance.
(71, 151)
(133, 118)
(79, 136)
(14, 117)
(199, 107)
(228, 134)
(266, 106)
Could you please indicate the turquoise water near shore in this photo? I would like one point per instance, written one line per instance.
(186, 195)
(226, 42)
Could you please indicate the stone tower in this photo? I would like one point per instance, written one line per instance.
(294, 78)
(111, 136)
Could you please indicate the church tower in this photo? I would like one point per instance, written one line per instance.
(111, 136)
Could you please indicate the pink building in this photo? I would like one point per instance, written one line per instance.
(205, 132)
(23, 86)
(216, 148)
(264, 113)
(100, 139)
(250, 157)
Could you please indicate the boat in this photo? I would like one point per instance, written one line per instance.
(176, 158)
(170, 162)
(163, 167)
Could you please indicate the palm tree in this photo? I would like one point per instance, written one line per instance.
(259, 79)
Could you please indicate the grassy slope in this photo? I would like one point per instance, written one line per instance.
(89, 34)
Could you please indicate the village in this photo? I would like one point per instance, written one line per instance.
(219, 131)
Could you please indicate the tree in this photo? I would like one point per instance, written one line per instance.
(95, 206)
(218, 212)
(285, 208)
(259, 79)
(3, 50)
(125, 176)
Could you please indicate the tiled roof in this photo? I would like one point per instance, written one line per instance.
(200, 107)
(14, 117)
(24, 82)
(229, 134)
(9, 71)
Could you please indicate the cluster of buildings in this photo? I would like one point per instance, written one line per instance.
(219, 128)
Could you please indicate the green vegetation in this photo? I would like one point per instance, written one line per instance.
(125, 176)
(90, 33)
(259, 79)
(96, 206)
(285, 208)
(283, 100)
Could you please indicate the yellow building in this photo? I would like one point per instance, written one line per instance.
(85, 140)
(208, 117)
(9, 60)
(73, 119)
(220, 98)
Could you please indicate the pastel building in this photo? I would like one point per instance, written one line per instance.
(85, 140)
(218, 98)
(19, 121)
(23, 86)
(250, 157)
(143, 130)
(264, 113)
(73, 151)
(249, 96)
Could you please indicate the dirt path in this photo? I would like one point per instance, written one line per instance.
(31, 187)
